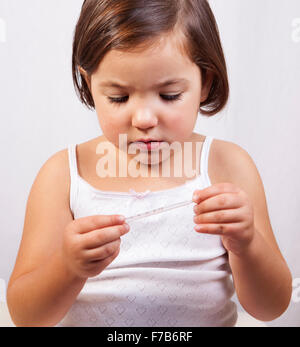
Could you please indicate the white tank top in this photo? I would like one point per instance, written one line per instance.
(166, 274)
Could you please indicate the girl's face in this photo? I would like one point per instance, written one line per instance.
(131, 98)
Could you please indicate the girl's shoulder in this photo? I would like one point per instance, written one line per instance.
(54, 176)
(226, 160)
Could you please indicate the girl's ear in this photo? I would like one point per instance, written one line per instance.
(209, 77)
(85, 76)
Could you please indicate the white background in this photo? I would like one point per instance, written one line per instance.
(40, 113)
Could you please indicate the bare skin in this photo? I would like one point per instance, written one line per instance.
(57, 253)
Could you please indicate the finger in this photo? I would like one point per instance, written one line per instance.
(219, 188)
(97, 266)
(219, 229)
(218, 202)
(87, 224)
(102, 252)
(100, 237)
(223, 216)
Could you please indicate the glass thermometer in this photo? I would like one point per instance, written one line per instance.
(159, 210)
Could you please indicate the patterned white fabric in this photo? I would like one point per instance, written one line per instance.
(166, 274)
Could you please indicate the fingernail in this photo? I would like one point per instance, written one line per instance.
(121, 219)
(198, 228)
(126, 226)
(195, 197)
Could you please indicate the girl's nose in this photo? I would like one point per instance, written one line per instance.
(144, 119)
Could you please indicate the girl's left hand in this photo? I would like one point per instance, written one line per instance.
(224, 209)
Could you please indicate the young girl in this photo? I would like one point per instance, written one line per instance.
(148, 68)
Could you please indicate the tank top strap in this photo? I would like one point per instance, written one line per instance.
(204, 159)
(73, 175)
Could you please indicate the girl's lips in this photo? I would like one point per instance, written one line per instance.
(149, 146)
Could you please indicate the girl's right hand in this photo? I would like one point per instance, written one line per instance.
(91, 243)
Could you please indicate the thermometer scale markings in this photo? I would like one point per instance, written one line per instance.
(159, 210)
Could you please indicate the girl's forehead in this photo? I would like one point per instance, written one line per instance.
(167, 56)
(146, 71)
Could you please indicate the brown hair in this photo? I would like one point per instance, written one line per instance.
(126, 25)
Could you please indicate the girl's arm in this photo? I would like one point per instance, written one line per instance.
(43, 296)
(262, 278)
(237, 210)
(58, 254)
(41, 289)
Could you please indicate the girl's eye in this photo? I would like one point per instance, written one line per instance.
(171, 97)
(168, 98)
(118, 100)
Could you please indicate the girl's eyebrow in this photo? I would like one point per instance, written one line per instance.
(162, 84)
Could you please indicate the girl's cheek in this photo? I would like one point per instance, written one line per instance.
(181, 124)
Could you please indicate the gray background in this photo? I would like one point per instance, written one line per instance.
(40, 113)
